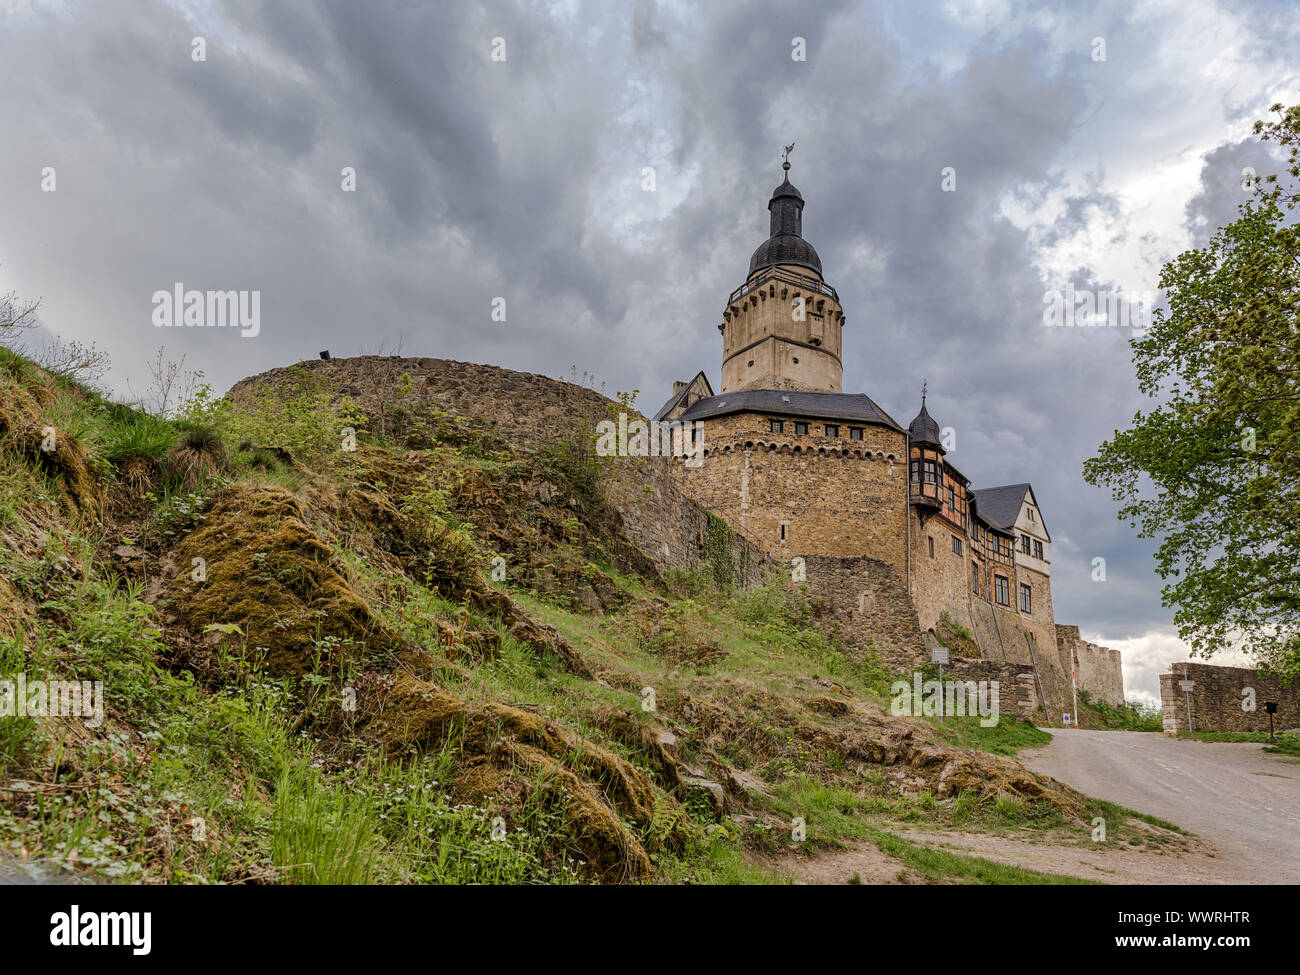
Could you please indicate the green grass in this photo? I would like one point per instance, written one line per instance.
(1116, 813)
(835, 815)
(943, 865)
(1007, 737)
(1284, 743)
(137, 436)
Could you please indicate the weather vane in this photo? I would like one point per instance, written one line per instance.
(923, 385)
(786, 156)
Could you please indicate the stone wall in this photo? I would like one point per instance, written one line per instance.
(940, 583)
(832, 495)
(1025, 644)
(1218, 695)
(1017, 696)
(864, 602)
(1099, 670)
(669, 527)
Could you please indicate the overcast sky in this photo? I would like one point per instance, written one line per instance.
(1090, 143)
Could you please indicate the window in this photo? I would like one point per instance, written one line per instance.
(975, 578)
(801, 429)
(832, 430)
(776, 426)
(1000, 591)
(929, 539)
(1026, 598)
(1038, 549)
(1030, 513)
(956, 545)
(952, 498)
(1024, 544)
(855, 433)
(925, 470)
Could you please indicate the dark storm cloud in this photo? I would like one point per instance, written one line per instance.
(523, 179)
(1224, 182)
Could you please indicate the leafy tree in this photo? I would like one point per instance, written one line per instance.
(1214, 470)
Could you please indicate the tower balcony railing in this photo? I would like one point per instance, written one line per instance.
(789, 277)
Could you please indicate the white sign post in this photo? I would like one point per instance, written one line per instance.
(1186, 687)
(939, 655)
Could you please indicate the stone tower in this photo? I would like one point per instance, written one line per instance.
(782, 328)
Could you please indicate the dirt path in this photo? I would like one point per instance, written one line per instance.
(1238, 798)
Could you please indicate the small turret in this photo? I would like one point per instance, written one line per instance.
(924, 429)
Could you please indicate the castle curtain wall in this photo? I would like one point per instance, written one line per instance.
(832, 495)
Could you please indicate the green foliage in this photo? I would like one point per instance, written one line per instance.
(962, 631)
(1213, 471)
(718, 555)
(574, 460)
(109, 634)
(1129, 716)
(781, 620)
(302, 414)
(18, 735)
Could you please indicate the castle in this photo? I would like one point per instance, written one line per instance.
(830, 481)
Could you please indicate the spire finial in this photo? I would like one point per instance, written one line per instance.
(785, 156)
(924, 383)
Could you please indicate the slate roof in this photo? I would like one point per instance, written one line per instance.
(984, 519)
(1000, 506)
(785, 243)
(785, 249)
(925, 428)
(672, 402)
(848, 407)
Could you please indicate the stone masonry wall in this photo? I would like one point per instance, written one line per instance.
(1026, 644)
(1017, 697)
(1099, 671)
(668, 526)
(939, 583)
(1218, 698)
(833, 495)
(864, 602)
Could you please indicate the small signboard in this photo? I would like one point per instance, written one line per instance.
(1186, 685)
(1065, 717)
(1270, 707)
(939, 655)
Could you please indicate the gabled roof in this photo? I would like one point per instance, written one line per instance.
(1001, 505)
(849, 407)
(985, 520)
(678, 396)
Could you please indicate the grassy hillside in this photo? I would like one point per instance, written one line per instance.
(413, 655)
